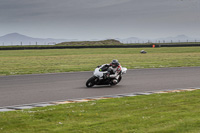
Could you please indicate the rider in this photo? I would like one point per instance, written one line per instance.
(115, 71)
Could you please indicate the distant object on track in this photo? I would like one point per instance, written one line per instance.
(143, 52)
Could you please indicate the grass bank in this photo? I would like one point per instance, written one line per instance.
(14, 62)
(163, 113)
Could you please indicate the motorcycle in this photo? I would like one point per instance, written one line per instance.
(100, 76)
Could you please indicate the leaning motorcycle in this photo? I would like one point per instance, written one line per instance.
(100, 76)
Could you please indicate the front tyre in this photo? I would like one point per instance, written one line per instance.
(91, 82)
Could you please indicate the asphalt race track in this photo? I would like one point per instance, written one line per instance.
(27, 89)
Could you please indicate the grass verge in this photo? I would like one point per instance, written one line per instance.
(68, 60)
(166, 113)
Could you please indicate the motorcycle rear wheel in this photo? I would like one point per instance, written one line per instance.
(120, 78)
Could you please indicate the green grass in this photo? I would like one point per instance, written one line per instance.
(14, 62)
(156, 113)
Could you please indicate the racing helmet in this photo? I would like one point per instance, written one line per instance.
(114, 63)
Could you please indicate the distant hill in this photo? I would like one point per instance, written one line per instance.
(178, 38)
(18, 39)
(133, 40)
(93, 43)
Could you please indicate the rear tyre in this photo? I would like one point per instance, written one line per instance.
(90, 82)
(119, 79)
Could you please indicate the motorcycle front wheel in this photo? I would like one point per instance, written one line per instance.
(90, 82)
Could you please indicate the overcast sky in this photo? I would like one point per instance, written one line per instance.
(99, 19)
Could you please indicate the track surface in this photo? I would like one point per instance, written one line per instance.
(26, 89)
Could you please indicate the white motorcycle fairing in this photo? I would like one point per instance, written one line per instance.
(98, 73)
